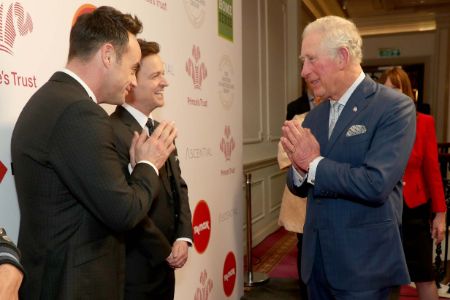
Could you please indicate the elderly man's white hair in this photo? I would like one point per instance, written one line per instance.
(337, 33)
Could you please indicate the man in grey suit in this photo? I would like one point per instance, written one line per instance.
(150, 265)
(351, 171)
(74, 199)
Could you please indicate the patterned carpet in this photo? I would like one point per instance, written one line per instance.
(276, 256)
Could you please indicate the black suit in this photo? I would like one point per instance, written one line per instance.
(74, 200)
(148, 275)
(298, 106)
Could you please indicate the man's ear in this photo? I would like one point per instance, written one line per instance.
(108, 54)
(343, 56)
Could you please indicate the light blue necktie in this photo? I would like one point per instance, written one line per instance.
(336, 109)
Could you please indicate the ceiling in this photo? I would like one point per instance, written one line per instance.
(384, 16)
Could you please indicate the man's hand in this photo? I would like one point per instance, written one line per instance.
(156, 148)
(179, 254)
(10, 281)
(300, 145)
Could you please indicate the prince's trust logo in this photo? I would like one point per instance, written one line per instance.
(203, 292)
(196, 69)
(13, 21)
(227, 143)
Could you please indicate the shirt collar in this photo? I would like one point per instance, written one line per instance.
(343, 100)
(138, 115)
(80, 81)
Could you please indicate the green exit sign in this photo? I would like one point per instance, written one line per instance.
(388, 52)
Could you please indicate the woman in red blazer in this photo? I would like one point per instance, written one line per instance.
(423, 193)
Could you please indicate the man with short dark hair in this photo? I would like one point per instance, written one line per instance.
(153, 252)
(74, 199)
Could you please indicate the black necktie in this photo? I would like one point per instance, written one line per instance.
(150, 126)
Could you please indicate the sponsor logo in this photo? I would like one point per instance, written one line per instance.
(196, 12)
(227, 144)
(16, 79)
(83, 9)
(226, 85)
(195, 68)
(227, 215)
(158, 3)
(3, 170)
(203, 292)
(201, 225)
(225, 12)
(198, 153)
(13, 21)
(229, 274)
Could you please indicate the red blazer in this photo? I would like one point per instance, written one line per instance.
(422, 179)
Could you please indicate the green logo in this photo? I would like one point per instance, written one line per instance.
(225, 13)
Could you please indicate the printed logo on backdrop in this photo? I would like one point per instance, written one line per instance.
(198, 153)
(14, 23)
(227, 146)
(206, 286)
(83, 9)
(229, 274)
(201, 223)
(196, 11)
(226, 85)
(161, 4)
(228, 215)
(196, 70)
(3, 171)
(225, 12)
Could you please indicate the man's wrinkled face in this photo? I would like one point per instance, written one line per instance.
(319, 69)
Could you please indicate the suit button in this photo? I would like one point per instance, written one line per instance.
(403, 183)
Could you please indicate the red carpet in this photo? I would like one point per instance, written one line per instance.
(277, 256)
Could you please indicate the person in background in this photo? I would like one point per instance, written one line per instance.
(75, 202)
(301, 105)
(424, 206)
(293, 208)
(150, 266)
(351, 170)
(11, 271)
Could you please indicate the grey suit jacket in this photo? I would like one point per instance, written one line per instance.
(169, 215)
(74, 199)
(354, 206)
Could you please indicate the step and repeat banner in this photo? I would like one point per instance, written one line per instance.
(201, 44)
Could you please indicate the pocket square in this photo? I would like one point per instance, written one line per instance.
(356, 130)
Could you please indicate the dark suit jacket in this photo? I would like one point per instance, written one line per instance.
(298, 106)
(169, 210)
(423, 180)
(74, 200)
(354, 206)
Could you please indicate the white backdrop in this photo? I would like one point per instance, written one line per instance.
(204, 98)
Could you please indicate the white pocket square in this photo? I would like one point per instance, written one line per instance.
(356, 130)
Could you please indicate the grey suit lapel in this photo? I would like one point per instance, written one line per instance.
(356, 105)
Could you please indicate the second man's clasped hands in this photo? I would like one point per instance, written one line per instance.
(300, 145)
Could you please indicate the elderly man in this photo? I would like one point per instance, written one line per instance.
(351, 170)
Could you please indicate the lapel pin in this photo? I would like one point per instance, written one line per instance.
(355, 109)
